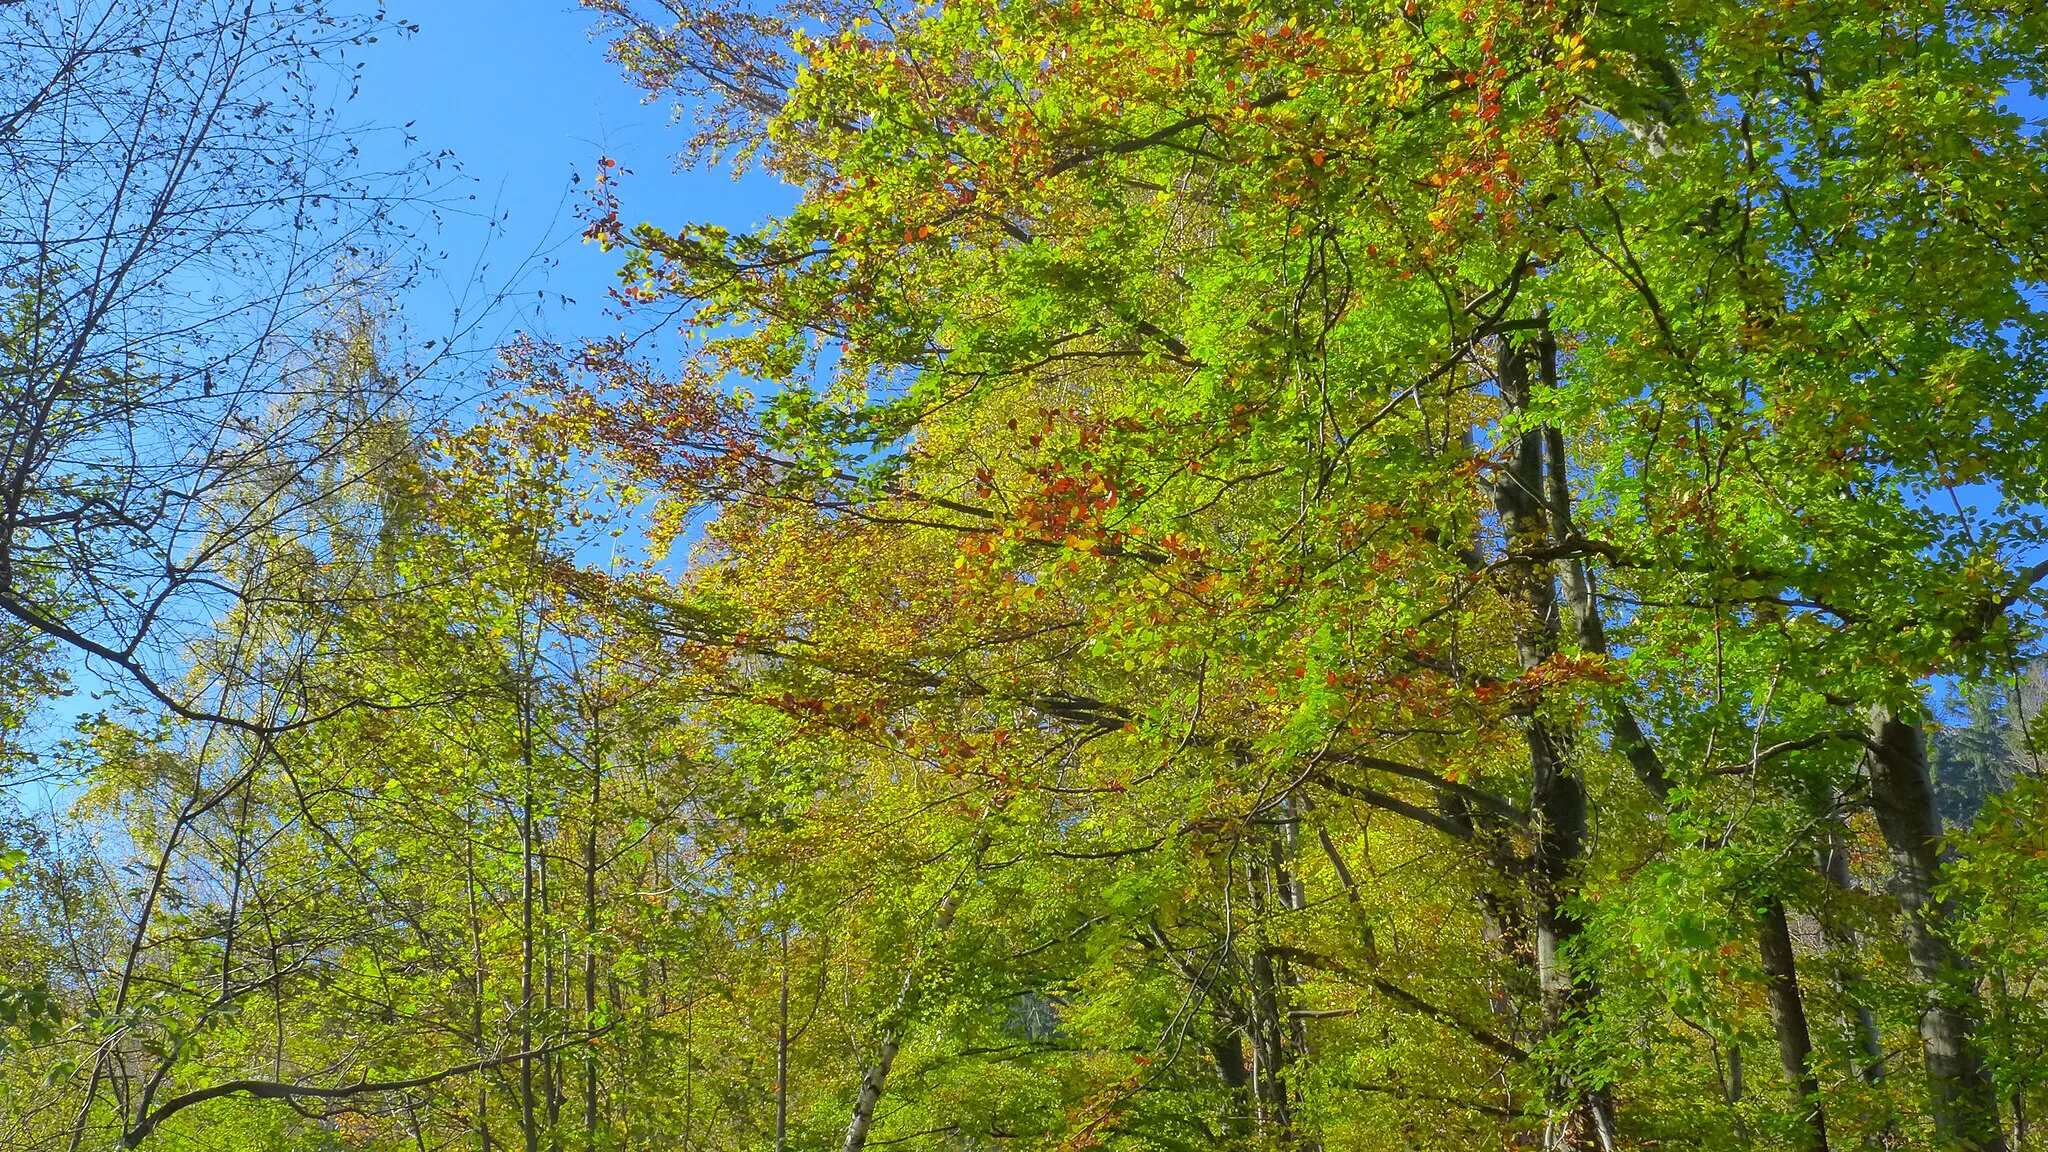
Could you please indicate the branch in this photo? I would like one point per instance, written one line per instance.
(1479, 796)
(2020, 589)
(1081, 710)
(126, 660)
(1107, 853)
(1448, 1101)
(1140, 143)
(272, 1090)
(1406, 999)
(1394, 804)
(1786, 746)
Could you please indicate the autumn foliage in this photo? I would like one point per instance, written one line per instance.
(1381, 576)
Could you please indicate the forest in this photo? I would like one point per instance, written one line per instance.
(1363, 576)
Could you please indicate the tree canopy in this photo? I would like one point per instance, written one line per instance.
(1385, 576)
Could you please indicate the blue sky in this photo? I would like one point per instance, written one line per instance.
(524, 98)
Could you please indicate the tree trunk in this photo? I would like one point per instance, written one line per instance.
(1835, 866)
(1788, 1012)
(782, 1054)
(551, 1063)
(689, 1074)
(1227, 1050)
(876, 1079)
(1629, 738)
(590, 946)
(476, 1010)
(1557, 799)
(529, 1128)
(1270, 889)
(1902, 797)
(1788, 1020)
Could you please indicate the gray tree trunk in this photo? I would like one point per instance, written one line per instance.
(876, 1079)
(1557, 798)
(1965, 1107)
(1788, 1020)
(1788, 1013)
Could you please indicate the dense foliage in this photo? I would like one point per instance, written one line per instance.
(1382, 576)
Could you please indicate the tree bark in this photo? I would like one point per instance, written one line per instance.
(1835, 866)
(1557, 798)
(1227, 1050)
(528, 1127)
(590, 942)
(1584, 604)
(476, 1009)
(1965, 1106)
(876, 1079)
(1788, 1020)
(1267, 888)
(1788, 1012)
(551, 1064)
(782, 1054)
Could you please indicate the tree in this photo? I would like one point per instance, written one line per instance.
(181, 210)
(1365, 578)
(1390, 395)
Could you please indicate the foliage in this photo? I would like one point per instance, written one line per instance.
(1374, 576)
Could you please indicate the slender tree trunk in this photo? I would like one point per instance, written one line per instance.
(1584, 603)
(1835, 866)
(551, 1063)
(1557, 798)
(106, 1058)
(234, 910)
(528, 1122)
(1788, 1012)
(1269, 1056)
(476, 1010)
(689, 1073)
(1366, 939)
(875, 1080)
(590, 945)
(1902, 797)
(1788, 1020)
(1294, 891)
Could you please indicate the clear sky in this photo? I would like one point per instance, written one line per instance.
(524, 98)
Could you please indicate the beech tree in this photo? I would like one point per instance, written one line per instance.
(1500, 396)
(1371, 577)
